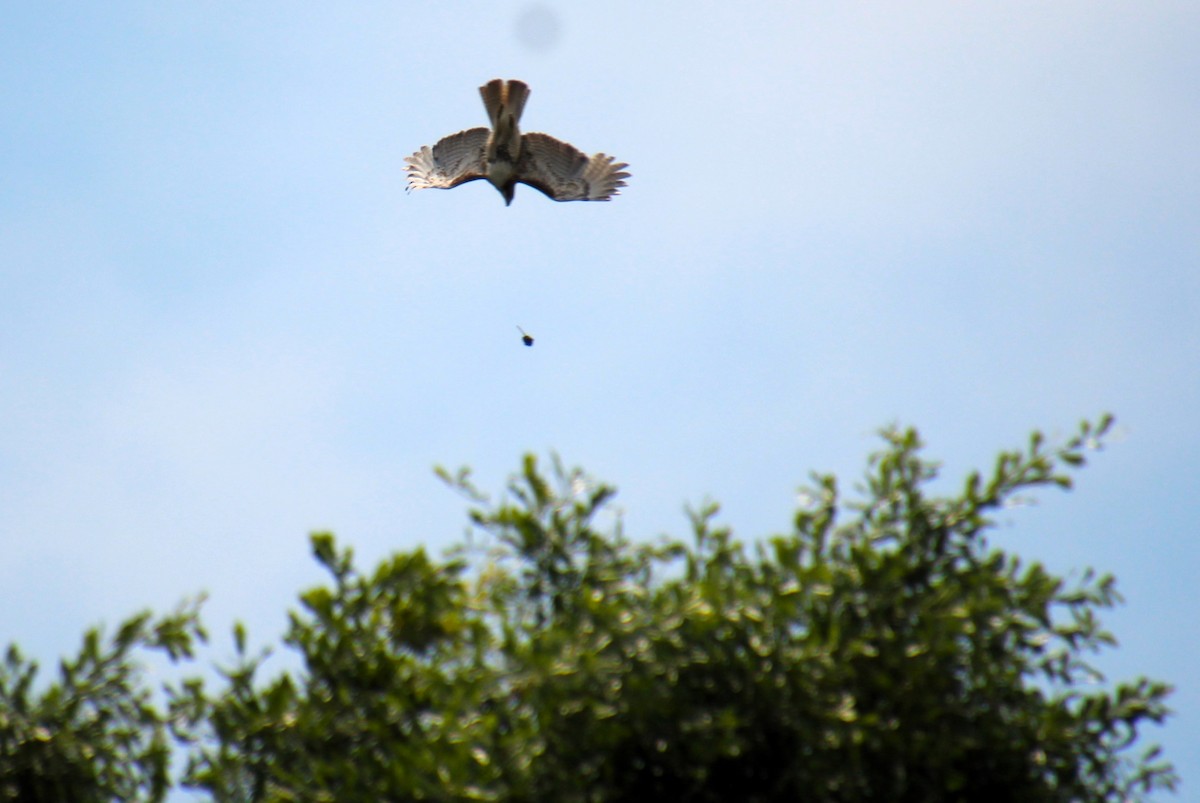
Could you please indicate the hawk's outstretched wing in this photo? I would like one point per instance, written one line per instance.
(564, 173)
(454, 160)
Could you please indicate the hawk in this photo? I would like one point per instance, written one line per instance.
(505, 156)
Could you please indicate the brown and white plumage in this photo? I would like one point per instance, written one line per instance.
(505, 157)
(454, 160)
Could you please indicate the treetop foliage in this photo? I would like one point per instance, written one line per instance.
(881, 649)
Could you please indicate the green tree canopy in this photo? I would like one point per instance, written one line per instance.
(96, 734)
(881, 649)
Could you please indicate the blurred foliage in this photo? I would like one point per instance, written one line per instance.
(880, 650)
(95, 734)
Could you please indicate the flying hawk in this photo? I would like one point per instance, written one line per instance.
(505, 156)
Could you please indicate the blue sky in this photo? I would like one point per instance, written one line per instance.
(224, 324)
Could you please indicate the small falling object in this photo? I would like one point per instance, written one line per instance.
(526, 338)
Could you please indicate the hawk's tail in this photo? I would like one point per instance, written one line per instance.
(499, 95)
